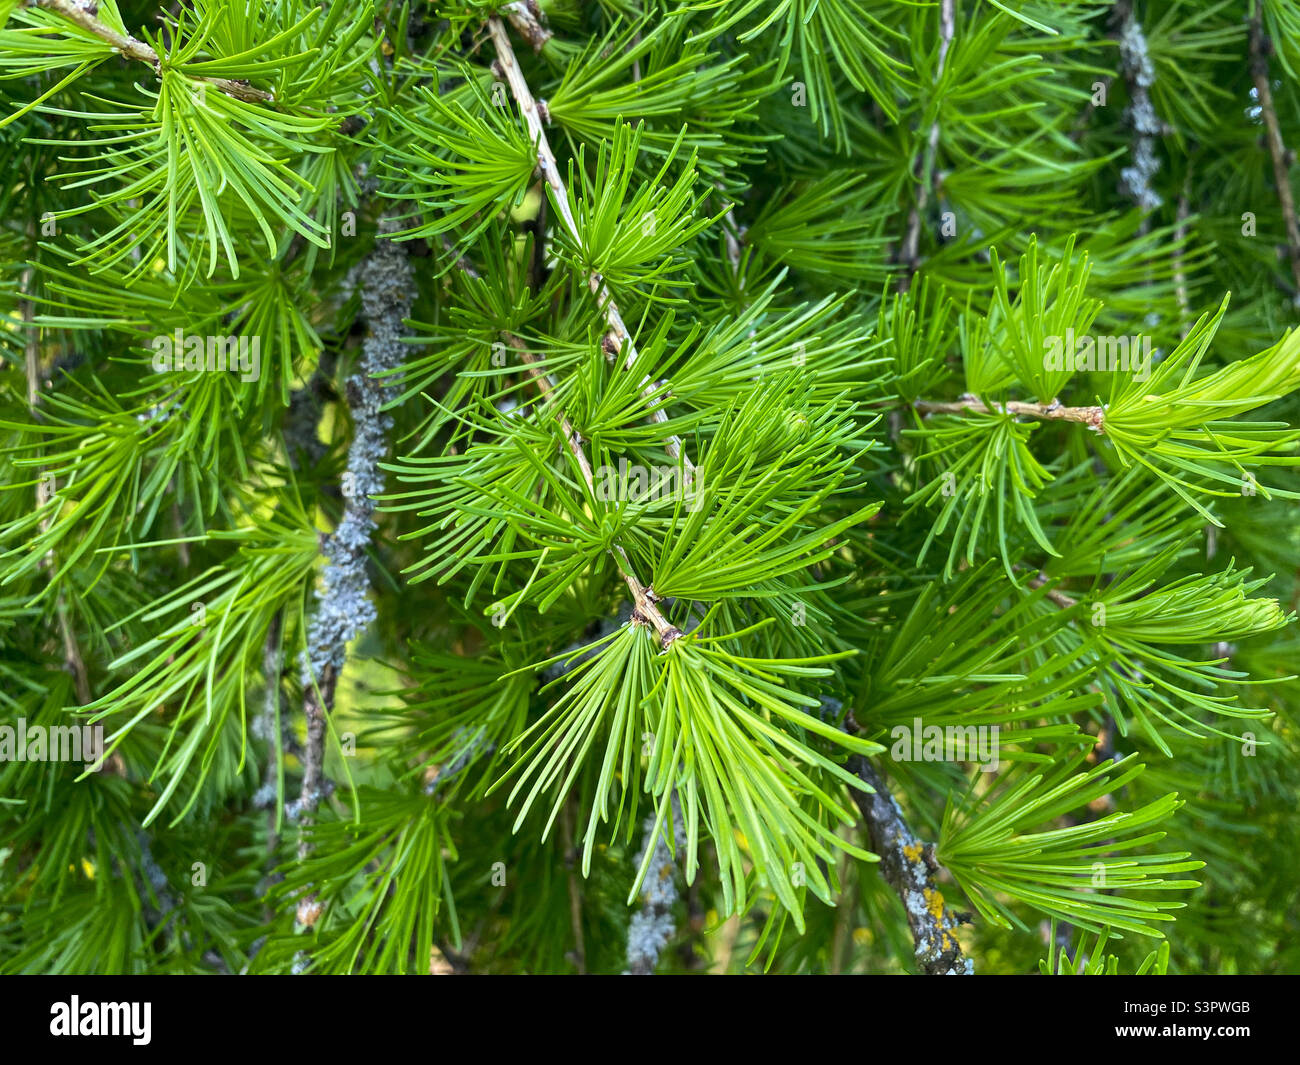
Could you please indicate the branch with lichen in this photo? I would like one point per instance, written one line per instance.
(1139, 73)
(909, 867)
(83, 14)
(652, 926)
(343, 606)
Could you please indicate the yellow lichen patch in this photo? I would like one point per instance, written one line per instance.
(912, 852)
(934, 906)
(934, 903)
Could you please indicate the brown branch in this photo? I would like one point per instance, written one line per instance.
(575, 889)
(909, 254)
(908, 866)
(272, 664)
(526, 17)
(1093, 417)
(317, 702)
(617, 337)
(1055, 595)
(134, 48)
(1260, 49)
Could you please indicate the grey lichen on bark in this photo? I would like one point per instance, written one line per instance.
(343, 606)
(652, 926)
(1139, 71)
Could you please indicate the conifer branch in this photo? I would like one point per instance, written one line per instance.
(617, 337)
(1093, 417)
(645, 610)
(909, 255)
(908, 866)
(1260, 49)
(82, 12)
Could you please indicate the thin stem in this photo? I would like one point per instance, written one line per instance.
(909, 254)
(732, 234)
(134, 48)
(1094, 417)
(617, 337)
(72, 660)
(1056, 596)
(575, 889)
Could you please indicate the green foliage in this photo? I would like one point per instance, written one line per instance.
(1097, 962)
(703, 471)
(992, 853)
